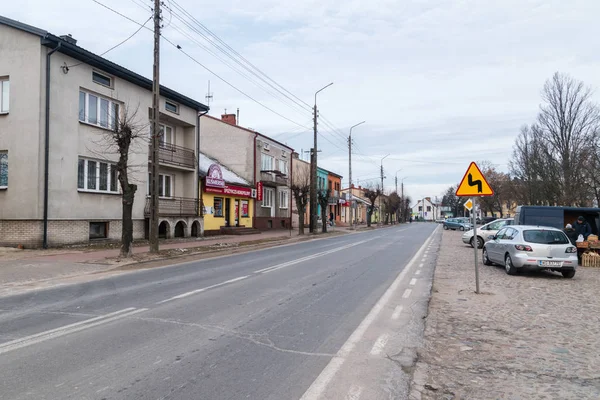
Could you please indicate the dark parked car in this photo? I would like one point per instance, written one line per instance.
(457, 223)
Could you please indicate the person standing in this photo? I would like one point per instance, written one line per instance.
(571, 233)
(582, 228)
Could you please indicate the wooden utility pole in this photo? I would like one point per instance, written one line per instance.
(350, 179)
(153, 232)
(313, 175)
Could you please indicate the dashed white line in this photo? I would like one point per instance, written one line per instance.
(181, 296)
(421, 265)
(397, 312)
(418, 272)
(380, 344)
(406, 293)
(354, 393)
(413, 282)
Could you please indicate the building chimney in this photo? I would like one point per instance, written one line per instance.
(69, 39)
(428, 199)
(353, 186)
(229, 119)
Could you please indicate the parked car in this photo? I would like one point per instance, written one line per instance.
(456, 223)
(520, 246)
(485, 231)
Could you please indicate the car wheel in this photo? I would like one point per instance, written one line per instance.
(462, 228)
(486, 259)
(446, 227)
(568, 273)
(508, 265)
(479, 242)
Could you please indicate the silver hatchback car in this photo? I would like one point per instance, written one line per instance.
(519, 246)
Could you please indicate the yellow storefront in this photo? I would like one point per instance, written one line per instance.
(224, 205)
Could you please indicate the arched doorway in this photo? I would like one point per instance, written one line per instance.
(180, 229)
(164, 230)
(196, 229)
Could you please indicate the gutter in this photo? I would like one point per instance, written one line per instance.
(198, 179)
(47, 144)
(255, 184)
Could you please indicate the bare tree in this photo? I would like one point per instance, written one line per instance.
(323, 200)
(301, 189)
(450, 199)
(371, 193)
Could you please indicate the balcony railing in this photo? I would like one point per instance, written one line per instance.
(175, 155)
(174, 207)
(274, 176)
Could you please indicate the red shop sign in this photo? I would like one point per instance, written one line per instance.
(259, 191)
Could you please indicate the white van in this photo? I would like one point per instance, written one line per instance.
(485, 231)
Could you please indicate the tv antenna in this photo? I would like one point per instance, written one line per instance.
(209, 95)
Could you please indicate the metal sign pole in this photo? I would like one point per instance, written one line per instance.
(476, 244)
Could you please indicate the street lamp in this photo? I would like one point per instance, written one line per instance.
(381, 195)
(350, 171)
(396, 180)
(313, 167)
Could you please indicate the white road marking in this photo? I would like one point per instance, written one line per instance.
(181, 296)
(313, 256)
(413, 282)
(406, 293)
(424, 258)
(317, 388)
(354, 393)
(397, 312)
(67, 329)
(418, 272)
(380, 344)
(421, 265)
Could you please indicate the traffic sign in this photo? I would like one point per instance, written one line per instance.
(474, 183)
(469, 205)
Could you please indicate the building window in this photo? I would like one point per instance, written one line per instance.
(283, 199)
(283, 166)
(165, 185)
(4, 95)
(101, 79)
(245, 210)
(3, 169)
(420, 208)
(428, 208)
(98, 111)
(266, 162)
(166, 137)
(172, 107)
(98, 230)
(268, 197)
(218, 206)
(96, 176)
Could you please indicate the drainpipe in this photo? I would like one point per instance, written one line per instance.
(47, 144)
(255, 185)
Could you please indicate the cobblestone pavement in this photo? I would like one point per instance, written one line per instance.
(531, 336)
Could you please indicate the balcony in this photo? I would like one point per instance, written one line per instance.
(175, 155)
(274, 176)
(174, 207)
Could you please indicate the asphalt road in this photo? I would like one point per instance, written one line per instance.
(272, 324)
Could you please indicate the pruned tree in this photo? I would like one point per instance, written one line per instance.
(301, 190)
(393, 205)
(499, 182)
(371, 193)
(407, 211)
(450, 199)
(323, 200)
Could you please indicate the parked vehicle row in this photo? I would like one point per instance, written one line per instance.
(485, 231)
(461, 224)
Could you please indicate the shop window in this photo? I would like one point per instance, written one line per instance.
(245, 210)
(218, 207)
(98, 230)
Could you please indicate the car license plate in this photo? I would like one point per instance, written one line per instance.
(550, 263)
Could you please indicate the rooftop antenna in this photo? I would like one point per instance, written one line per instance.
(209, 95)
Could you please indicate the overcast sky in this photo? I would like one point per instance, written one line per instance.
(439, 82)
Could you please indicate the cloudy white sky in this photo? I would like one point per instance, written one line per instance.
(439, 82)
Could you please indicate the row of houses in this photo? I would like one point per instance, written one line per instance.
(59, 104)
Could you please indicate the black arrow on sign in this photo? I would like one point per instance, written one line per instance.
(477, 182)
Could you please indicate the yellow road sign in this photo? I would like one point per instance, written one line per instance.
(474, 183)
(469, 205)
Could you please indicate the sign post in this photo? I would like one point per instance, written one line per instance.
(474, 185)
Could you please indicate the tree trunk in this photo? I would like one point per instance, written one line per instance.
(324, 218)
(301, 222)
(369, 213)
(127, 230)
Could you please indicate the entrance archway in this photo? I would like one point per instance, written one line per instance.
(196, 229)
(164, 230)
(180, 229)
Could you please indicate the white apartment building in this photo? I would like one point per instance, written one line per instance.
(58, 183)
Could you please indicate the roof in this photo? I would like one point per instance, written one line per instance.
(87, 57)
(251, 131)
(229, 176)
(524, 227)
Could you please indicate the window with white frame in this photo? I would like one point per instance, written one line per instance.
(268, 197)
(266, 162)
(98, 110)
(283, 166)
(4, 95)
(284, 199)
(97, 176)
(166, 137)
(165, 185)
(3, 169)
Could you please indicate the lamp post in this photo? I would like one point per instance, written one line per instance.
(313, 169)
(350, 172)
(381, 195)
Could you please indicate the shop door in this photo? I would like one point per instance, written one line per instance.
(227, 212)
(237, 212)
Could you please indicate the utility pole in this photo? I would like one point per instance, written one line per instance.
(153, 231)
(209, 95)
(313, 169)
(381, 195)
(350, 173)
(403, 211)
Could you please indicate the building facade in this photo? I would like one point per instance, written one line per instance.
(360, 206)
(334, 182)
(59, 181)
(300, 177)
(263, 162)
(425, 210)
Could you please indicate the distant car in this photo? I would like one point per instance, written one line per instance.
(485, 231)
(520, 246)
(456, 223)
